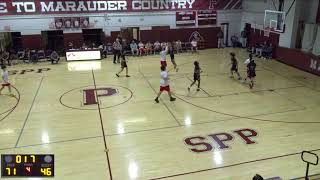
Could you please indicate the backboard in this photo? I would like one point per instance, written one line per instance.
(274, 21)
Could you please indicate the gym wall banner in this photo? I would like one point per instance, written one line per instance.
(186, 18)
(207, 17)
(68, 22)
(32, 7)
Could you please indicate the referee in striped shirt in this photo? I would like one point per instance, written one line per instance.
(117, 48)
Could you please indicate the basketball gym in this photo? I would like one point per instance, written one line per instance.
(71, 114)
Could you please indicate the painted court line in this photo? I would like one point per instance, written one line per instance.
(147, 130)
(172, 114)
(231, 165)
(200, 87)
(102, 127)
(25, 121)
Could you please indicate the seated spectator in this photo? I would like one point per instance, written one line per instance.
(109, 48)
(267, 51)
(41, 54)
(258, 49)
(235, 41)
(194, 46)
(13, 54)
(163, 46)
(148, 48)
(5, 57)
(141, 48)
(25, 55)
(157, 47)
(100, 47)
(103, 50)
(252, 49)
(34, 56)
(84, 46)
(93, 46)
(134, 48)
(21, 54)
(54, 57)
(70, 45)
(178, 46)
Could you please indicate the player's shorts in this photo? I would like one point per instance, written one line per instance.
(234, 68)
(124, 64)
(251, 74)
(163, 63)
(196, 77)
(165, 88)
(172, 56)
(5, 84)
(173, 62)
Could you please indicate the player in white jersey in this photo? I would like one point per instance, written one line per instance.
(164, 84)
(5, 79)
(163, 58)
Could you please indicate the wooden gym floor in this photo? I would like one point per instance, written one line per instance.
(147, 140)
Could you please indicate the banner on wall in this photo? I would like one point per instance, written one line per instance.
(207, 17)
(24, 7)
(186, 18)
(68, 22)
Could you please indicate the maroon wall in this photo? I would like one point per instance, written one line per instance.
(32, 41)
(301, 60)
(113, 37)
(257, 36)
(75, 38)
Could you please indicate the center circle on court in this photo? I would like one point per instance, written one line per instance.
(84, 98)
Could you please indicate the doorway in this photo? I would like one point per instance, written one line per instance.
(92, 37)
(130, 33)
(225, 29)
(53, 40)
(10, 41)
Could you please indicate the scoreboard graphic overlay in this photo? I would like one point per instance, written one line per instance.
(27, 165)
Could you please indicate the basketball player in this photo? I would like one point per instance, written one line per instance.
(246, 62)
(163, 59)
(164, 84)
(234, 66)
(123, 65)
(196, 75)
(5, 79)
(251, 69)
(171, 52)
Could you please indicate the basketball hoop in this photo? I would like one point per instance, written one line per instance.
(275, 21)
